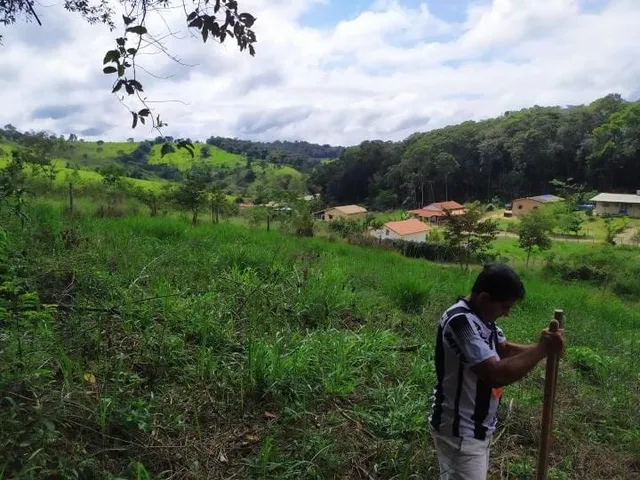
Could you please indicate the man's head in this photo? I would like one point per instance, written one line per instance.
(495, 291)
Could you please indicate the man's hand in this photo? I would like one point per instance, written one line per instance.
(552, 342)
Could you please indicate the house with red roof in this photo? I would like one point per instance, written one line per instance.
(437, 212)
(412, 230)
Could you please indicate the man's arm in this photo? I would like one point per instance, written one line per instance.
(500, 372)
(509, 349)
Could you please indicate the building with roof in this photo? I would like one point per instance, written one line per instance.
(412, 230)
(617, 204)
(353, 212)
(437, 212)
(524, 206)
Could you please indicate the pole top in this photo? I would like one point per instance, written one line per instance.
(558, 315)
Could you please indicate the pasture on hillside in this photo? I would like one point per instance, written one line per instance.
(145, 347)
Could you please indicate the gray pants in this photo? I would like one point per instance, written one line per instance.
(462, 458)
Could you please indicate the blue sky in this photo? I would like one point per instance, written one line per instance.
(324, 15)
(338, 72)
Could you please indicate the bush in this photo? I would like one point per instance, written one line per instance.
(410, 295)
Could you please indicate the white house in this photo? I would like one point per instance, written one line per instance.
(412, 230)
(617, 204)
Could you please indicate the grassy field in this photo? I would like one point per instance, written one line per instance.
(593, 228)
(183, 160)
(154, 349)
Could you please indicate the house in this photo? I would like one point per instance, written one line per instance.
(412, 230)
(523, 206)
(437, 212)
(617, 204)
(352, 212)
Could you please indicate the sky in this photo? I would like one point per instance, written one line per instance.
(328, 71)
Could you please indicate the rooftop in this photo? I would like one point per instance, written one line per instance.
(617, 198)
(407, 227)
(449, 205)
(546, 198)
(351, 209)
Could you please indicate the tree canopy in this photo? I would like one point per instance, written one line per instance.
(517, 154)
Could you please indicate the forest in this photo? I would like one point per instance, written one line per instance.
(495, 160)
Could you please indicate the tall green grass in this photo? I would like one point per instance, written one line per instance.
(218, 350)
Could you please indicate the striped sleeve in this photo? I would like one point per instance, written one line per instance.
(473, 347)
(500, 335)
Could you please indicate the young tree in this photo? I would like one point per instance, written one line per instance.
(612, 229)
(534, 232)
(191, 194)
(217, 200)
(470, 233)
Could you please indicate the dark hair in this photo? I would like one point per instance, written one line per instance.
(500, 282)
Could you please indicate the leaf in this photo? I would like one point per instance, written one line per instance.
(139, 29)
(111, 56)
(216, 7)
(247, 19)
(197, 23)
(142, 120)
(191, 16)
(120, 41)
(109, 70)
(132, 51)
(120, 70)
(90, 378)
(232, 5)
(136, 84)
(252, 51)
(205, 34)
(128, 20)
(118, 86)
(130, 89)
(135, 119)
(166, 148)
(145, 112)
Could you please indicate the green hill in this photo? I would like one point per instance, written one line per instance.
(143, 163)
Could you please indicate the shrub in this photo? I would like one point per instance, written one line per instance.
(409, 294)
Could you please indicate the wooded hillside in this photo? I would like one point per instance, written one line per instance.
(516, 154)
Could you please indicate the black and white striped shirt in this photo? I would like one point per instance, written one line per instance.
(463, 405)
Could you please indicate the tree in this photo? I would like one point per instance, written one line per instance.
(613, 228)
(216, 199)
(216, 20)
(470, 233)
(12, 187)
(191, 193)
(534, 232)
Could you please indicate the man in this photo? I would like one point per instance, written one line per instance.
(474, 362)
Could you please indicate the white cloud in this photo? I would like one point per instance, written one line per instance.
(385, 73)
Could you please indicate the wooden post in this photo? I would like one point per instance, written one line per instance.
(550, 381)
(71, 198)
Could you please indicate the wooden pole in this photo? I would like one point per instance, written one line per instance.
(550, 381)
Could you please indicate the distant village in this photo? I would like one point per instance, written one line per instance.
(416, 228)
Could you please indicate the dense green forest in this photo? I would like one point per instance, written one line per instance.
(516, 154)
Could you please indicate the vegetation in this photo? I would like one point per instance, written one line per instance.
(144, 347)
(303, 156)
(529, 152)
(534, 232)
